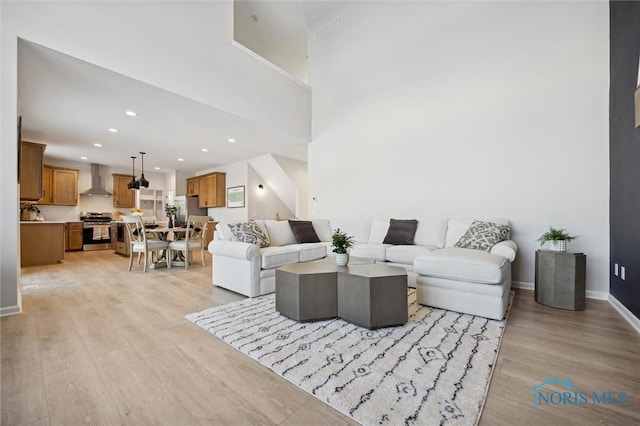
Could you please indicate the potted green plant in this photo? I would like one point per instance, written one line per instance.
(557, 239)
(341, 242)
(170, 211)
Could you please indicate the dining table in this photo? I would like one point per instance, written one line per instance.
(164, 234)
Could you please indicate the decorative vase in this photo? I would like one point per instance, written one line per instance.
(170, 222)
(342, 259)
(558, 245)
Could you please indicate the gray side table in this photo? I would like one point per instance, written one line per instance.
(560, 279)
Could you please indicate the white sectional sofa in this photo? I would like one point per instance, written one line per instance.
(459, 279)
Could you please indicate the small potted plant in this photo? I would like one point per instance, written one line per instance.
(170, 211)
(341, 242)
(557, 239)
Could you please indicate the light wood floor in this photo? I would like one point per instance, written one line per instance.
(99, 345)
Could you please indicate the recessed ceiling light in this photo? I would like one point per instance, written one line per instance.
(180, 159)
(99, 145)
(131, 113)
(157, 168)
(83, 158)
(204, 150)
(231, 140)
(112, 130)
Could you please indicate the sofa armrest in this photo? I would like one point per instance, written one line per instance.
(507, 248)
(235, 249)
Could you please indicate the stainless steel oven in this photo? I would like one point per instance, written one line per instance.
(96, 230)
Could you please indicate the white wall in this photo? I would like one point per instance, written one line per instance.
(458, 109)
(264, 203)
(298, 172)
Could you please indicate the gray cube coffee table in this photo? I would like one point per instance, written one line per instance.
(373, 296)
(307, 291)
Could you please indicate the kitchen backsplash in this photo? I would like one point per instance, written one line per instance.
(85, 204)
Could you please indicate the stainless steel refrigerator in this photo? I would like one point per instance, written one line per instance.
(187, 206)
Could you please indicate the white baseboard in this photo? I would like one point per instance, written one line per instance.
(626, 313)
(10, 310)
(589, 294)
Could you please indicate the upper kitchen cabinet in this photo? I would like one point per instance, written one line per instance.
(122, 195)
(193, 186)
(212, 190)
(60, 186)
(65, 187)
(31, 170)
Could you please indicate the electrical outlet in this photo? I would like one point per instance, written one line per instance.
(622, 273)
(615, 269)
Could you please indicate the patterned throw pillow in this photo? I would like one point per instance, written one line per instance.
(250, 232)
(483, 235)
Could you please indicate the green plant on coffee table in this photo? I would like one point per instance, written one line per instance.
(340, 241)
(554, 234)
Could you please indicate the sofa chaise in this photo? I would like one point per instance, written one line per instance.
(468, 280)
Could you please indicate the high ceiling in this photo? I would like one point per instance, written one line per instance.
(70, 104)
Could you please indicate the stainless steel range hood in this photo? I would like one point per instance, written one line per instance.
(96, 183)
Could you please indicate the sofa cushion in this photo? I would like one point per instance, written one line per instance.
(463, 265)
(401, 231)
(273, 257)
(370, 251)
(378, 231)
(303, 231)
(280, 232)
(431, 232)
(456, 228)
(358, 229)
(406, 254)
(249, 232)
(312, 251)
(223, 232)
(483, 235)
(323, 229)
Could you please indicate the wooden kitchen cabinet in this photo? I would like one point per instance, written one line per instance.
(193, 186)
(212, 190)
(64, 187)
(41, 243)
(122, 195)
(31, 170)
(74, 236)
(60, 186)
(47, 184)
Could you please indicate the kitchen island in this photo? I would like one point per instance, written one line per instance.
(41, 242)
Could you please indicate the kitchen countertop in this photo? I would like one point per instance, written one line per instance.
(37, 222)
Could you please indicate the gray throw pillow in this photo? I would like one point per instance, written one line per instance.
(401, 232)
(250, 232)
(483, 235)
(304, 231)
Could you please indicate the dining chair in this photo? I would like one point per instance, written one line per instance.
(193, 239)
(140, 243)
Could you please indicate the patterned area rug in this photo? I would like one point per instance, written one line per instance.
(434, 370)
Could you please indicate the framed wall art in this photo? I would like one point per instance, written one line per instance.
(235, 196)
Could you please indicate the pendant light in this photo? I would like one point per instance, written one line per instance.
(134, 184)
(142, 182)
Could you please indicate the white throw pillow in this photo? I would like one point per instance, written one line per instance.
(323, 229)
(379, 229)
(280, 232)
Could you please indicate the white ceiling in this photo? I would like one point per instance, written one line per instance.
(69, 104)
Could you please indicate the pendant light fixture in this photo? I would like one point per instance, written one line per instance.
(142, 182)
(134, 184)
